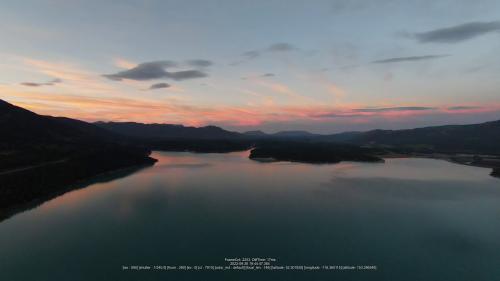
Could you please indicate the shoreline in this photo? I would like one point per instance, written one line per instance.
(461, 159)
(10, 211)
(483, 161)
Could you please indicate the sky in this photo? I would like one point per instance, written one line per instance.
(322, 66)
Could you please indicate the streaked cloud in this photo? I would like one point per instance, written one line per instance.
(336, 115)
(123, 63)
(399, 108)
(144, 71)
(158, 70)
(268, 75)
(35, 84)
(199, 63)
(265, 75)
(372, 112)
(458, 33)
(75, 78)
(301, 65)
(186, 74)
(172, 110)
(251, 54)
(463, 107)
(274, 48)
(159, 86)
(281, 47)
(412, 58)
(335, 90)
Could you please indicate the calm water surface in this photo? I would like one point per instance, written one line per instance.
(415, 219)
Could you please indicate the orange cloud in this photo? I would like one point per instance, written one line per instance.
(335, 90)
(290, 95)
(123, 63)
(85, 95)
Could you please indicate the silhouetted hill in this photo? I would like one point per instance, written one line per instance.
(341, 137)
(294, 134)
(255, 134)
(281, 134)
(476, 138)
(166, 131)
(18, 126)
(42, 155)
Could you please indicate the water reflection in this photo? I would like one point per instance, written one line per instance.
(416, 219)
(46, 203)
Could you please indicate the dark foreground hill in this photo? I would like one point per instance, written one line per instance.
(40, 155)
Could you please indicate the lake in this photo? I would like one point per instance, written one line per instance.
(406, 219)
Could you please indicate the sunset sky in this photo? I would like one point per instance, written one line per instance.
(322, 66)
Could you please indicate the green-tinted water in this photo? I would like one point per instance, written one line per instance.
(415, 219)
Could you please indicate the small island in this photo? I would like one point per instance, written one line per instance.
(496, 172)
(315, 153)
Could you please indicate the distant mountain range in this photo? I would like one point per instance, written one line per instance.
(281, 134)
(476, 138)
(25, 126)
(255, 134)
(39, 154)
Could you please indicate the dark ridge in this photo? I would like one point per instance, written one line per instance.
(166, 131)
(255, 134)
(476, 138)
(294, 134)
(344, 137)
